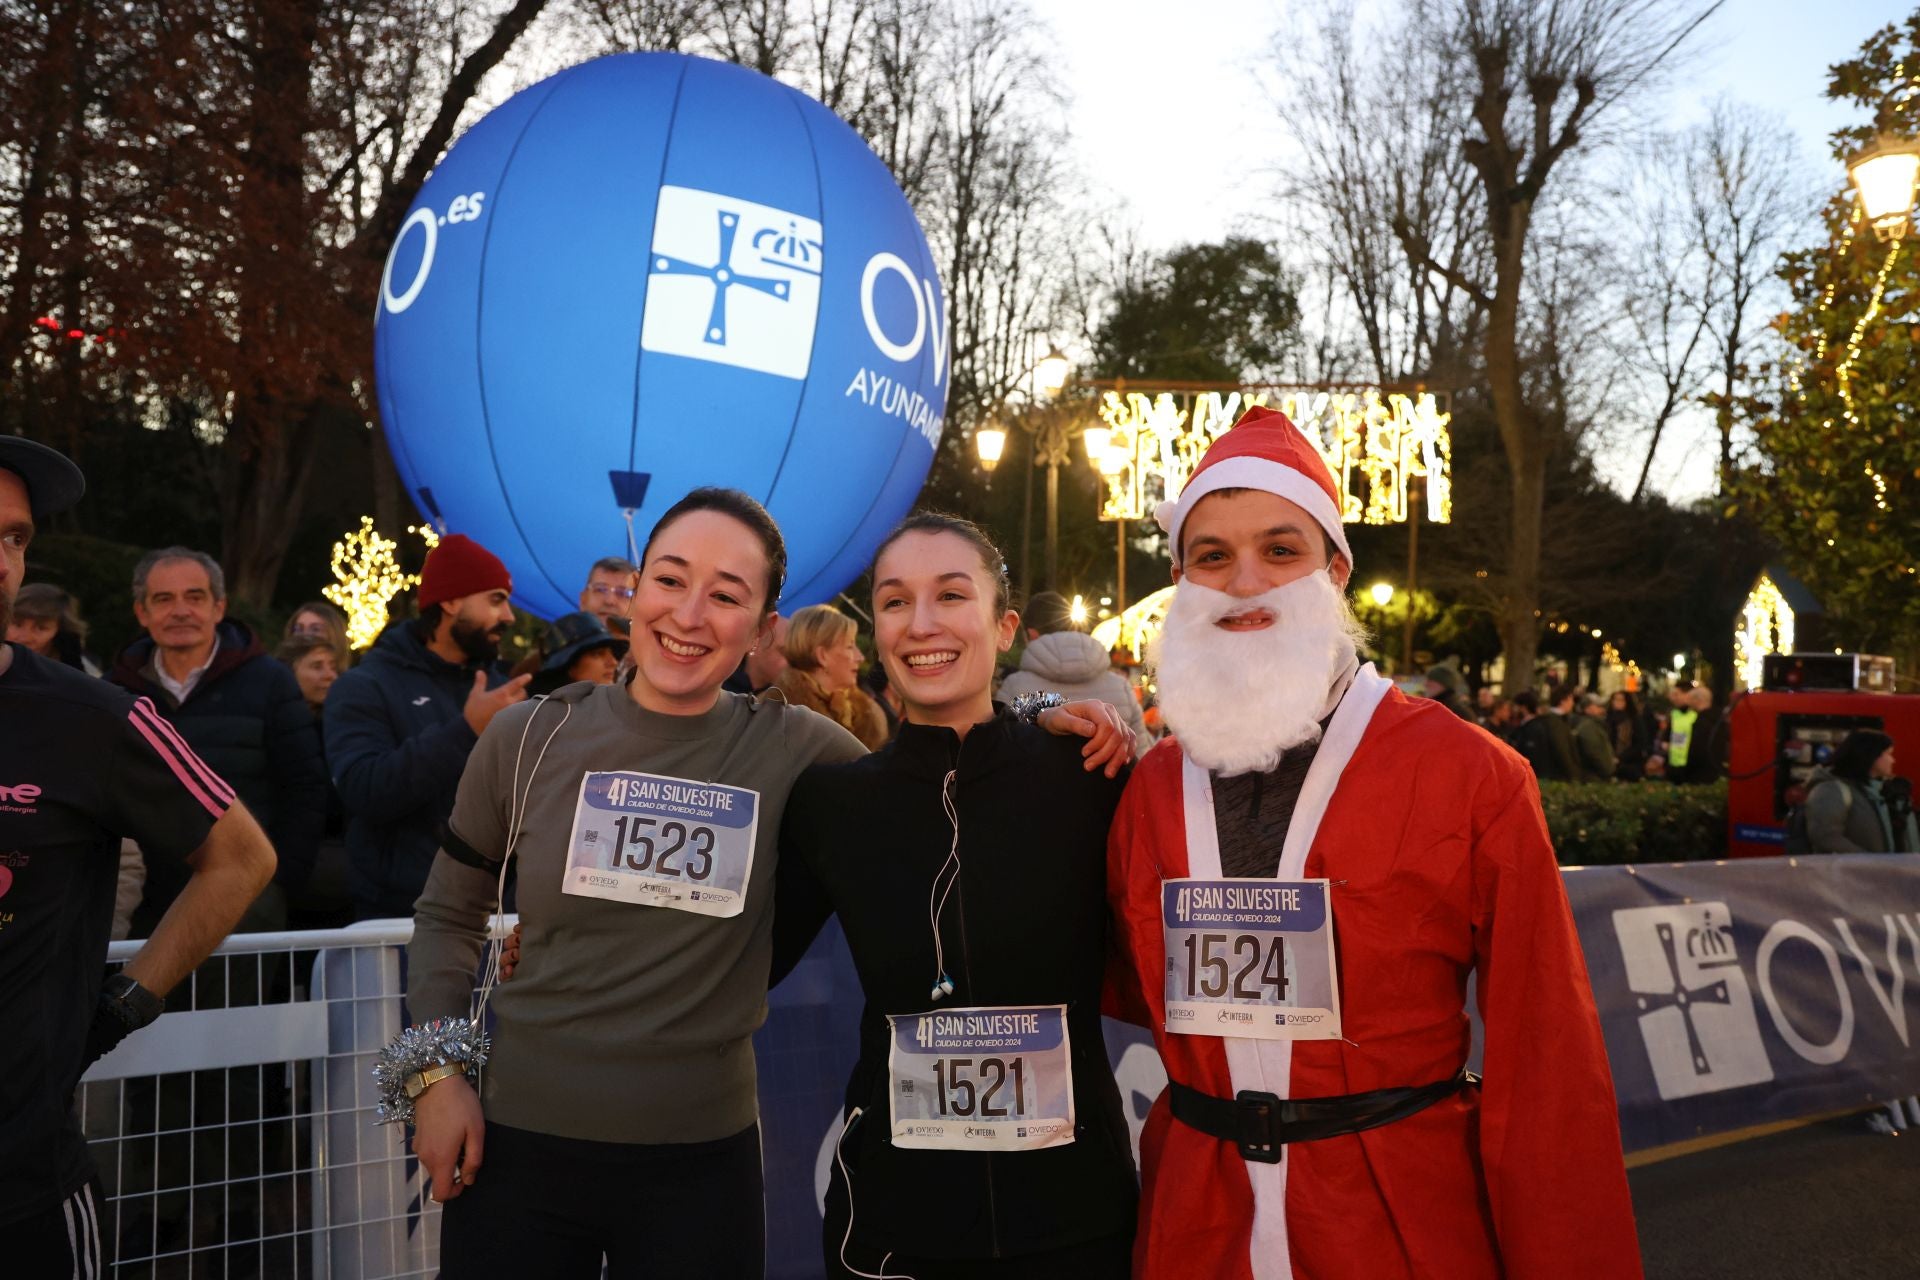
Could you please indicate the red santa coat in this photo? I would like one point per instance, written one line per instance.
(1432, 834)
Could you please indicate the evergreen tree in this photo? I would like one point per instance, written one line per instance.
(1838, 483)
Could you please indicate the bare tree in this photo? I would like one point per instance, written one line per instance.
(230, 173)
(645, 24)
(1531, 81)
(1377, 138)
(1670, 286)
(1708, 212)
(1749, 199)
(756, 33)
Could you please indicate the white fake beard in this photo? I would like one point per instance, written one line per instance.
(1238, 699)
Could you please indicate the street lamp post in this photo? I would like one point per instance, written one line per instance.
(1100, 452)
(1413, 569)
(1885, 175)
(1049, 436)
(1050, 450)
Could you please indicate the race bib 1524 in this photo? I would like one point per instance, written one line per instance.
(1250, 958)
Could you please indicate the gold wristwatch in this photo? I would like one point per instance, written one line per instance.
(419, 1083)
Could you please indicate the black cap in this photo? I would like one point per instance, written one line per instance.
(53, 482)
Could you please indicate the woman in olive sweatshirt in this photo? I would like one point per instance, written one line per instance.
(966, 860)
(616, 1116)
(642, 819)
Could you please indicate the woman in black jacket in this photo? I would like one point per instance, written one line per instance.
(966, 860)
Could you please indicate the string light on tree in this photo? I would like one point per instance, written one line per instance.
(1842, 372)
(367, 574)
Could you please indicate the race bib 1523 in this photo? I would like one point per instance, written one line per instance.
(662, 842)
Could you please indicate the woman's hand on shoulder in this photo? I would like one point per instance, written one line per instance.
(1110, 742)
(510, 955)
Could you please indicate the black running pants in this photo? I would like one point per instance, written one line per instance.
(554, 1207)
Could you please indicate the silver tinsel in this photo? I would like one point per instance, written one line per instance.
(418, 1048)
(1028, 707)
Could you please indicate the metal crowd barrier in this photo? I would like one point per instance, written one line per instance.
(235, 1136)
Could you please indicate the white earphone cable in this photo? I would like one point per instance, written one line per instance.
(516, 818)
(847, 1178)
(937, 896)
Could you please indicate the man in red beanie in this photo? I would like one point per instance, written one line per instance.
(1303, 878)
(399, 725)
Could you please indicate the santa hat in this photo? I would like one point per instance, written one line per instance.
(458, 567)
(1261, 451)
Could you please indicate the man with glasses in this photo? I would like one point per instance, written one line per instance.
(609, 592)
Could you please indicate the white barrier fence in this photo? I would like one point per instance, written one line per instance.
(235, 1136)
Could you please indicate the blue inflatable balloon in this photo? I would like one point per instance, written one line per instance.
(648, 273)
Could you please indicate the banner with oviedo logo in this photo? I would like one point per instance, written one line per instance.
(1737, 993)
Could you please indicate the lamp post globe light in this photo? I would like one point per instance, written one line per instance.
(1885, 175)
(1051, 372)
(990, 443)
(1382, 593)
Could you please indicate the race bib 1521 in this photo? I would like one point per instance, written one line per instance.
(662, 842)
(985, 1079)
(1250, 958)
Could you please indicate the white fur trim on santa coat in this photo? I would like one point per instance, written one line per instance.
(1249, 472)
(1266, 1066)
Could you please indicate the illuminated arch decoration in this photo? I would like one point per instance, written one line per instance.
(648, 273)
(1765, 626)
(1134, 628)
(1375, 445)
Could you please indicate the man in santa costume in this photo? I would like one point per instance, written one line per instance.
(1303, 878)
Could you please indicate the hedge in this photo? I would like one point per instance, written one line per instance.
(1604, 823)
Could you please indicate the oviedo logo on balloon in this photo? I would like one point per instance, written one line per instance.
(648, 273)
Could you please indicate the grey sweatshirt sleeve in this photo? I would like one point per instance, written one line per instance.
(450, 921)
(827, 742)
(1827, 806)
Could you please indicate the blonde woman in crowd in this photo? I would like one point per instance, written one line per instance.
(823, 673)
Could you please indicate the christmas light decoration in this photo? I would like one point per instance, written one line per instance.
(1766, 626)
(367, 575)
(1375, 445)
(1867, 317)
(1133, 629)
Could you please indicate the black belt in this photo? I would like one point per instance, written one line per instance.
(1262, 1123)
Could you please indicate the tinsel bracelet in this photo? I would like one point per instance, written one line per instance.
(418, 1048)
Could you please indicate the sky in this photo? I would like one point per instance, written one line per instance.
(1173, 117)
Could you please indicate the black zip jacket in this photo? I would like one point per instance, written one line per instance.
(1026, 923)
(397, 740)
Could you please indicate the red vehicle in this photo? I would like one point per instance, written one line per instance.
(1778, 738)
